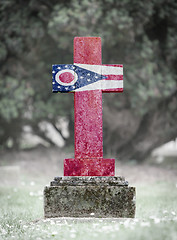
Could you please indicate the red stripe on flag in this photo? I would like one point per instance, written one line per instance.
(113, 90)
(113, 77)
(113, 65)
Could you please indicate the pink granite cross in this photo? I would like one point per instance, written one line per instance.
(88, 78)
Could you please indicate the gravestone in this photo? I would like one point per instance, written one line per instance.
(89, 187)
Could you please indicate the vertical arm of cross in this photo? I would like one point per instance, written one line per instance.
(88, 159)
(88, 104)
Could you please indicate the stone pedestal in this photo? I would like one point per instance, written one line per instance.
(89, 197)
(89, 167)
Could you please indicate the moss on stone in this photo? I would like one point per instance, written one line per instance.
(103, 200)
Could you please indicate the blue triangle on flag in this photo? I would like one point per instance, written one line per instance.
(82, 77)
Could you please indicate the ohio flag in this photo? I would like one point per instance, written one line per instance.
(84, 77)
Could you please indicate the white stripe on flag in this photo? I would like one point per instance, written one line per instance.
(108, 70)
(104, 70)
(93, 68)
(103, 84)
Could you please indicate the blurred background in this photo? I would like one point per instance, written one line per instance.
(37, 126)
(141, 35)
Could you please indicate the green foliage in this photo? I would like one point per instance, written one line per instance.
(3, 52)
(15, 96)
(36, 34)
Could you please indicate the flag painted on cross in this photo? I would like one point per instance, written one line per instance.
(84, 77)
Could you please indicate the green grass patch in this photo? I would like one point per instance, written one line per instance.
(21, 216)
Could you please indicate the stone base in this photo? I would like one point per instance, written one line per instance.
(89, 197)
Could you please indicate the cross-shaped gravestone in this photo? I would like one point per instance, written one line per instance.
(76, 194)
(88, 78)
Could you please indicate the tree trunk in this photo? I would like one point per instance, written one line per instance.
(156, 127)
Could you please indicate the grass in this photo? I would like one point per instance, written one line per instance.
(21, 202)
(21, 216)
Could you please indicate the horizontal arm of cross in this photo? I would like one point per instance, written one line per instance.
(85, 77)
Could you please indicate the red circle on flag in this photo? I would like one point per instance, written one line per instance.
(66, 77)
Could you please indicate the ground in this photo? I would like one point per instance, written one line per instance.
(24, 174)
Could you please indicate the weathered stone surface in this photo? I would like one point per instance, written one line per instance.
(86, 180)
(89, 166)
(88, 78)
(91, 197)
